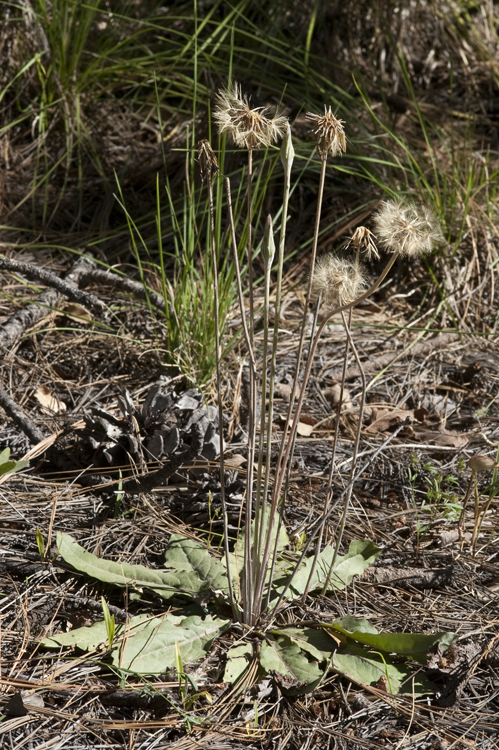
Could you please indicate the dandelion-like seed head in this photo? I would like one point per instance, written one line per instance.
(248, 128)
(329, 133)
(340, 281)
(408, 228)
(363, 240)
(208, 164)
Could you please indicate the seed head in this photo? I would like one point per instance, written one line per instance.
(208, 164)
(248, 128)
(329, 133)
(411, 229)
(339, 280)
(363, 239)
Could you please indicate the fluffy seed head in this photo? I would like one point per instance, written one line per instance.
(248, 128)
(411, 229)
(339, 280)
(208, 164)
(363, 239)
(329, 133)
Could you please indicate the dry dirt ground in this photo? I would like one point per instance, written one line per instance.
(79, 383)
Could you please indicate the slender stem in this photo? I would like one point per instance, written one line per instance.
(282, 242)
(339, 537)
(281, 464)
(261, 498)
(248, 562)
(342, 308)
(281, 461)
(238, 275)
(288, 473)
(219, 397)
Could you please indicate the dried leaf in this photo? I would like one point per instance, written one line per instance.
(333, 396)
(304, 430)
(50, 404)
(283, 390)
(387, 419)
(235, 461)
(77, 313)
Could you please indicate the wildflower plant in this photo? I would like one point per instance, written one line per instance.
(254, 577)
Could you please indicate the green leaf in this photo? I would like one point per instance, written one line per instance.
(366, 668)
(410, 645)
(350, 624)
(4, 455)
(185, 563)
(238, 659)
(11, 466)
(359, 556)
(196, 569)
(300, 670)
(315, 642)
(147, 645)
(237, 557)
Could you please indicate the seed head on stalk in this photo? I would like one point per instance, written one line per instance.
(208, 164)
(340, 281)
(363, 239)
(329, 133)
(247, 128)
(410, 229)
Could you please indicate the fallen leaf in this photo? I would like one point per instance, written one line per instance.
(234, 461)
(49, 403)
(386, 419)
(283, 390)
(304, 430)
(77, 313)
(333, 396)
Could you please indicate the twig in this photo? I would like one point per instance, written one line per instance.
(50, 279)
(18, 323)
(124, 284)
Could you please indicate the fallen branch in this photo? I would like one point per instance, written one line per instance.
(124, 284)
(54, 282)
(24, 319)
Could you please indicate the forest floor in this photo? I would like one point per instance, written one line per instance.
(72, 373)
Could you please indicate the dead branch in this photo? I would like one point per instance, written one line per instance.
(48, 300)
(50, 279)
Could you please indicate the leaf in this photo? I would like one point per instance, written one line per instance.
(147, 645)
(238, 659)
(282, 655)
(181, 580)
(366, 668)
(359, 556)
(77, 312)
(410, 645)
(49, 403)
(237, 557)
(304, 430)
(7, 466)
(196, 569)
(319, 644)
